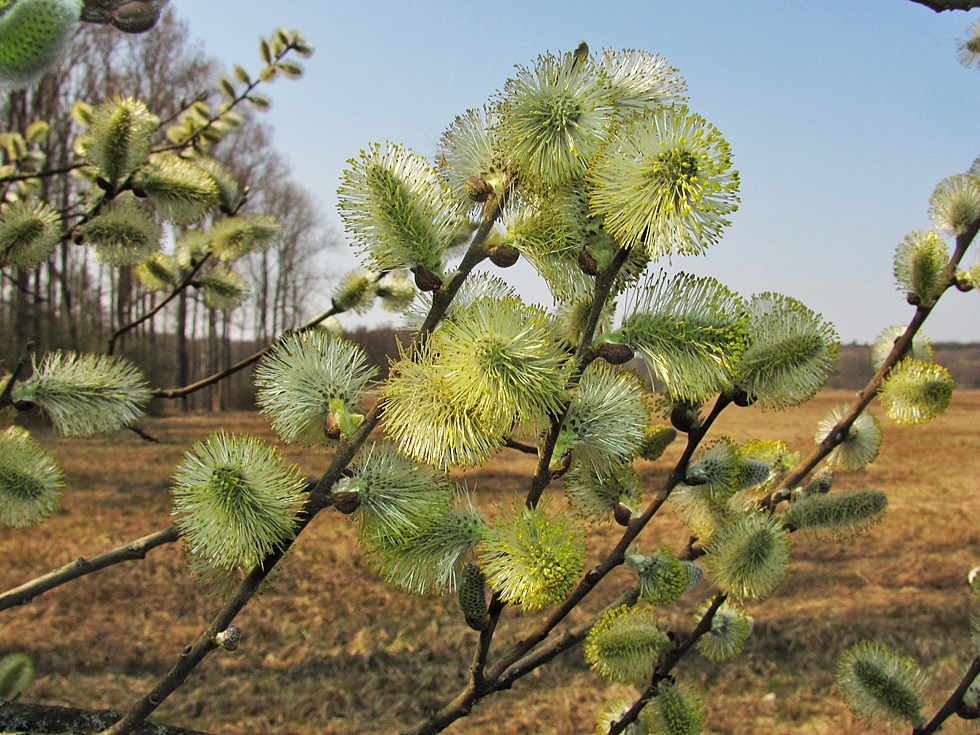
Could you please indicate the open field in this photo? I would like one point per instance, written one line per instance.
(331, 650)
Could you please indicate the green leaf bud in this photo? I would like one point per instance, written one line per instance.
(85, 394)
(34, 33)
(16, 674)
(300, 377)
(730, 627)
(430, 558)
(396, 209)
(839, 514)
(594, 495)
(183, 191)
(118, 143)
(656, 439)
(920, 262)
(820, 484)
(29, 233)
(674, 712)
(662, 578)
(532, 560)
(749, 557)
(664, 183)
(122, 233)
(224, 289)
(472, 596)
(689, 331)
(624, 644)
(921, 347)
(859, 448)
(30, 480)
(916, 392)
(235, 499)
(790, 354)
(235, 237)
(877, 682)
(955, 204)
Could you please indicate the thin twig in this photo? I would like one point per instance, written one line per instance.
(8, 387)
(242, 364)
(667, 664)
(839, 433)
(80, 567)
(952, 704)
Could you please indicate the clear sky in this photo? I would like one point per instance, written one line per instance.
(842, 116)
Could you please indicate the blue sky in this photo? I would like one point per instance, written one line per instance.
(842, 116)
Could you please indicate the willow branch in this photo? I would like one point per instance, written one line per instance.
(941, 5)
(242, 364)
(667, 664)
(839, 433)
(188, 279)
(80, 567)
(319, 498)
(8, 387)
(952, 704)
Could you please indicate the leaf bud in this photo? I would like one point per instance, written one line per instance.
(503, 256)
(478, 189)
(229, 638)
(622, 514)
(346, 501)
(425, 279)
(135, 17)
(588, 264)
(471, 593)
(741, 398)
(684, 417)
(615, 354)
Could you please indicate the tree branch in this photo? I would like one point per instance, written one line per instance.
(952, 704)
(80, 567)
(941, 5)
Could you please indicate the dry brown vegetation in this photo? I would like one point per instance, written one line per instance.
(331, 649)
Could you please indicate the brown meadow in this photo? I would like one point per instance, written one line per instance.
(331, 649)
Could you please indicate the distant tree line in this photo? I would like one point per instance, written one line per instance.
(74, 302)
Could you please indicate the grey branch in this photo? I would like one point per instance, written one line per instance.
(42, 718)
(80, 567)
(941, 5)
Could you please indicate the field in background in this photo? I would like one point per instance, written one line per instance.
(329, 649)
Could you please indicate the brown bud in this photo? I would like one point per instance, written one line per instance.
(331, 428)
(229, 638)
(588, 264)
(622, 514)
(346, 501)
(503, 256)
(135, 17)
(615, 354)
(695, 481)
(741, 398)
(479, 624)
(682, 419)
(478, 189)
(24, 405)
(425, 279)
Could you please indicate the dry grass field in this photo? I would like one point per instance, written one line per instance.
(329, 649)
